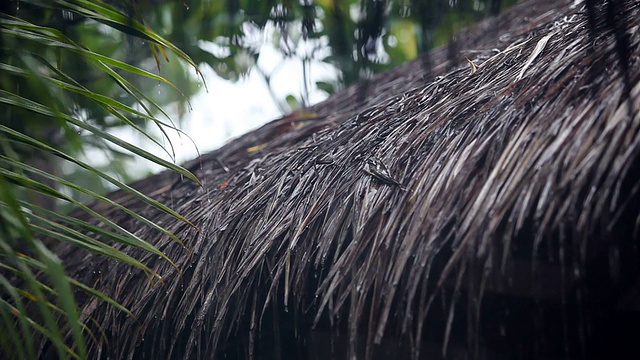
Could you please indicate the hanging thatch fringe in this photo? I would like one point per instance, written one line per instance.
(397, 214)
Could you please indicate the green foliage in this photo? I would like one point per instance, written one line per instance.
(356, 37)
(64, 83)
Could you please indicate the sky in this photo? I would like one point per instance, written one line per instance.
(225, 110)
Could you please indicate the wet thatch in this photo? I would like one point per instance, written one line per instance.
(490, 211)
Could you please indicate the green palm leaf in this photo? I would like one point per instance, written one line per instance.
(37, 94)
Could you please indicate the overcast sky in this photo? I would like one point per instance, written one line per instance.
(230, 109)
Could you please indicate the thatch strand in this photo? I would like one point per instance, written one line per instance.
(374, 213)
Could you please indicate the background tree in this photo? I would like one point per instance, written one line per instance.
(356, 37)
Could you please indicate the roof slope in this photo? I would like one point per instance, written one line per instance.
(364, 211)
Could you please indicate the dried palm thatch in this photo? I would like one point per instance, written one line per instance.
(489, 211)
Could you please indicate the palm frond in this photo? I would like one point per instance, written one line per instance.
(42, 99)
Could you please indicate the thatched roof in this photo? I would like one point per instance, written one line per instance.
(395, 219)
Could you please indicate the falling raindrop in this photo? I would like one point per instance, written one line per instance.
(67, 15)
(614, 263)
